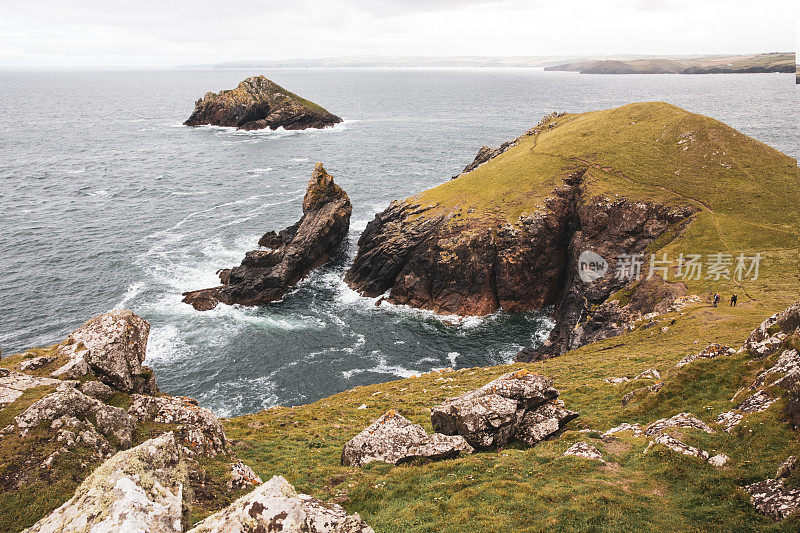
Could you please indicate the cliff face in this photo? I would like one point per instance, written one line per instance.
(448, 265)
(266, 274)
(259, 103)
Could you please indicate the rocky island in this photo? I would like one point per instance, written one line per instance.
(258, 103)
(627, 182)
(286, 257)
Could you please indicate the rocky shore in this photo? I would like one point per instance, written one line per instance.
(286, 257)
(258, 103)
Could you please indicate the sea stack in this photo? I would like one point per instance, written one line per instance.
(285, 257)
(258, 103)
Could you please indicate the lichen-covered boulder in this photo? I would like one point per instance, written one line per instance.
(276, 506)
(137, 490)
(772, 497)
(539, 423)
(585, 451)
(199, 432)
(394, 439)
(519, 405)
(110, 421)
(767, 338)
(116, 346)
(711, 351)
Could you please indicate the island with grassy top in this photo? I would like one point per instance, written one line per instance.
(258, 103)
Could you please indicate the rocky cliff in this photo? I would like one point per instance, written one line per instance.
(259, 103)
(286, 257)
(509, 232)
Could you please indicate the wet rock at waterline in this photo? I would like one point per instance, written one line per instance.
(266, 274)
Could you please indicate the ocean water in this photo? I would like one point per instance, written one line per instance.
(108, 201)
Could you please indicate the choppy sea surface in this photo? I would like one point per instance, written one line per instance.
(108, 201)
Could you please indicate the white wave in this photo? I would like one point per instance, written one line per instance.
(452, 356)
(77, 171)
(381, 368)
(133, 291)
(165, 344)
(190, 193)
(99, 193)
(259, 170)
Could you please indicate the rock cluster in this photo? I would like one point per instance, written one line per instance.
(266, 274)
(767, 338)
(519, 405)
(709, 352)
(259, 103)
(14, 384)
(772, 497)
(394, 439)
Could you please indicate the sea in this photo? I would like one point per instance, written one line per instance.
(108, 201)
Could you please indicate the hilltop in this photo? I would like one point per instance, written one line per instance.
(258, 103)
(744, 64)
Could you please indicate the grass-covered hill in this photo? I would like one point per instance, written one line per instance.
(743, 64)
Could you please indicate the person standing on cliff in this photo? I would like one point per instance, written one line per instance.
(734, 300)
(716, 299)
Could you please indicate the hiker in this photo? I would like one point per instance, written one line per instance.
(734, 300)
(716, 299)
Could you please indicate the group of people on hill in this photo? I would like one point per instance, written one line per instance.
(734, 300)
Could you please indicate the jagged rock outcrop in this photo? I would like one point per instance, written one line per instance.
(199, 430)
(395, 439)
(266, 274)
(276, 506)
(767, 338)
(114, 346)
(138, 490)
(518, 405)
(772, 497)
(259, 103)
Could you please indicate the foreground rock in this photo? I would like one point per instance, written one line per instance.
(14, 384)
(767, 338)
(276, 506)
(259, 103)
(395, 439)
(199, 430)
(141, 489)
(518, 405)
(266, 274)
(772, 497)
(114, 347)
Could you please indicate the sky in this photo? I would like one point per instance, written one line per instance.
(71, 33)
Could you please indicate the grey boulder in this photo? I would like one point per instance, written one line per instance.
(395, 439)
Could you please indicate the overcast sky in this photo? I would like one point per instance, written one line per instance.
(171, 32)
